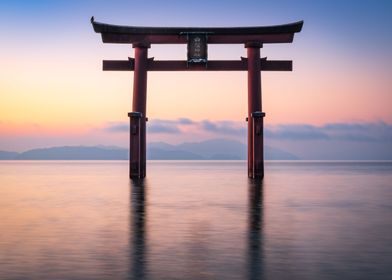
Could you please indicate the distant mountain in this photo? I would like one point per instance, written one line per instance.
(162, 154)
(271, 153)
(223, 149)
(162, 145)
(216, 149)
(7, 155)
(74, 153)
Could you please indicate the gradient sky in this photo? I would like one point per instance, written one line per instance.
(53, 91)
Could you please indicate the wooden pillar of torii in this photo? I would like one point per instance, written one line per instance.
(197, 40)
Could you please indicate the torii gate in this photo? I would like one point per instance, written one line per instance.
(197, 40)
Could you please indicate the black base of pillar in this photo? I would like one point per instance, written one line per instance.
(137, 162)
(255, 145)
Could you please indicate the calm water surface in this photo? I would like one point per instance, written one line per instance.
(195, 220)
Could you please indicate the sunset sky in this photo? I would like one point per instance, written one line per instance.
(53, 90)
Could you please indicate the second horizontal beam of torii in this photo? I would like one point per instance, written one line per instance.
(212, 65)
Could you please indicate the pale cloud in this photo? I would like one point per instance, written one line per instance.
(363, 132)
(224, 127)
(377, 131)
(156, 127)
(185, 121)
(295, 132)
(117, 127)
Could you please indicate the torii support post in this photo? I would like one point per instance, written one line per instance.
(255, 115)
(137, 141)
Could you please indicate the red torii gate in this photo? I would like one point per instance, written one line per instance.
(197, 40)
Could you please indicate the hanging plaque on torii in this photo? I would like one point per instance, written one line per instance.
(197, 40)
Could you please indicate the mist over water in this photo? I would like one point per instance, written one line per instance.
(195, 220)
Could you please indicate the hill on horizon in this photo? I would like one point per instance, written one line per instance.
(215, 149)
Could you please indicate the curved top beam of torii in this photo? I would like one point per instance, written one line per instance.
(216, 35)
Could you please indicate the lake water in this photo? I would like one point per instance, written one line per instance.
(195, 220)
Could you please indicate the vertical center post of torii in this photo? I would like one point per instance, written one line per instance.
(255, 114)
(137, 139)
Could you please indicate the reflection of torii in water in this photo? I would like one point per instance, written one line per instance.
(197, 40)
(138, 230)
(255, 229)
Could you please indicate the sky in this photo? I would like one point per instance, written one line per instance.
(336, 103)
